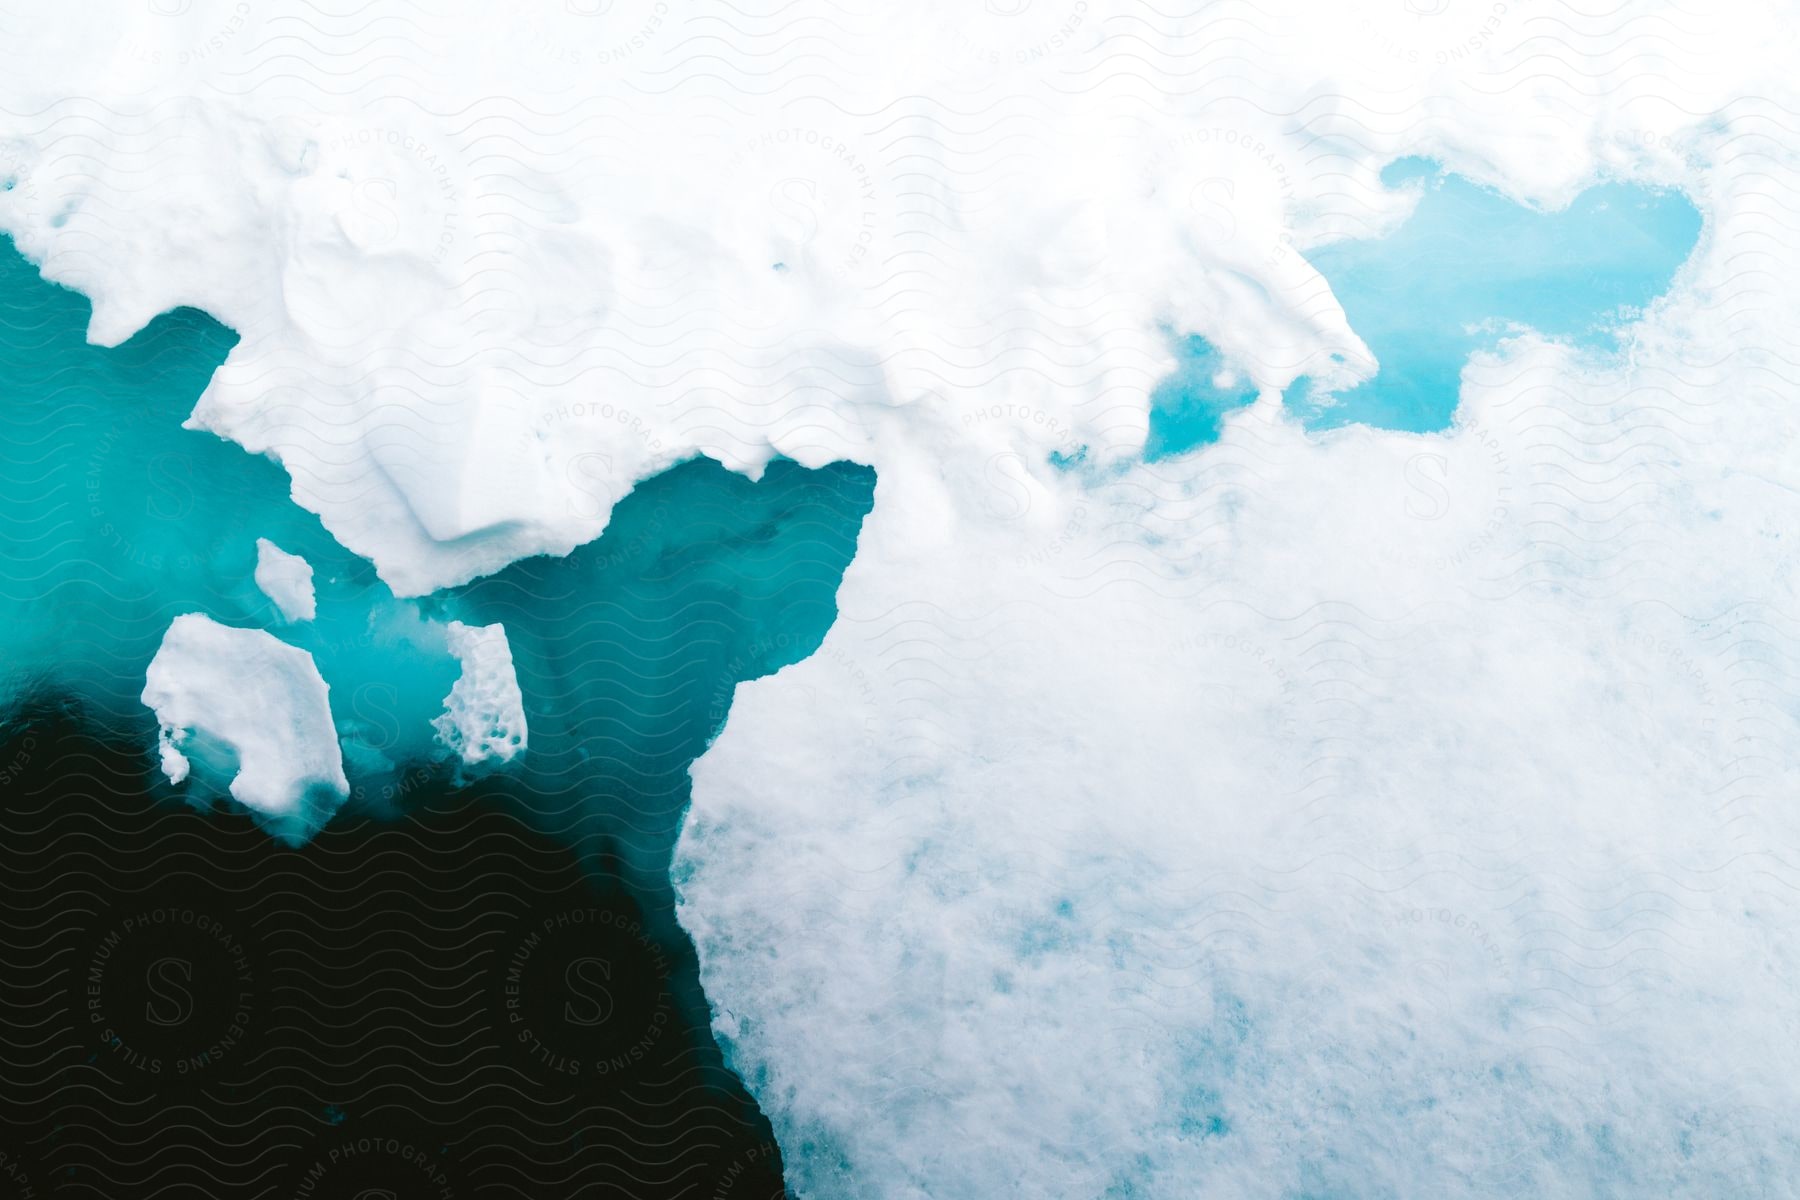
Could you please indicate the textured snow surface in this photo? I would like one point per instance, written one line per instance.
(287, 579)
(484, 714)
(1353, 814)
(253, 705)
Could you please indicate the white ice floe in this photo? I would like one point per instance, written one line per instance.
(484, 714)
(287, 579)
(242, 700)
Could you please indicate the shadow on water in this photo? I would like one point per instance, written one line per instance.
(452, 989)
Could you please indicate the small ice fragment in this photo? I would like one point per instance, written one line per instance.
(246, 692)
(287, 579)
(484, 714)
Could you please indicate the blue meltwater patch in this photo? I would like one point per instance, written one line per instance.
(1470, 266)
(1467, 268)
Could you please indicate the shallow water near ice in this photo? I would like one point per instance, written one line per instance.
(627, 651)
(1187, 408)
(1467, 268)
(117, 520)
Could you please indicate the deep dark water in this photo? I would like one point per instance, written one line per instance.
(190, 1005)
(450, 990)
(489, 976)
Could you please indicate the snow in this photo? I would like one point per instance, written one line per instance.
(287, 579)
(1273, 841)
(246, 702)
(1366, 813)
(482, 292)
(484, 714)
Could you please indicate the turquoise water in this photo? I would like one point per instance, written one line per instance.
(116, 520)
(1186, 408)
(628, 650)
(1469, 266)
(1466, 269)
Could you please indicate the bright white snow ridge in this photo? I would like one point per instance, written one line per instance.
(1355, 814)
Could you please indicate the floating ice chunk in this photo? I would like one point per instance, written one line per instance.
(243, 698)
(484, 714)
(287, 579)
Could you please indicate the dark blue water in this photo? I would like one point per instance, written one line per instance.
(488, 974)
